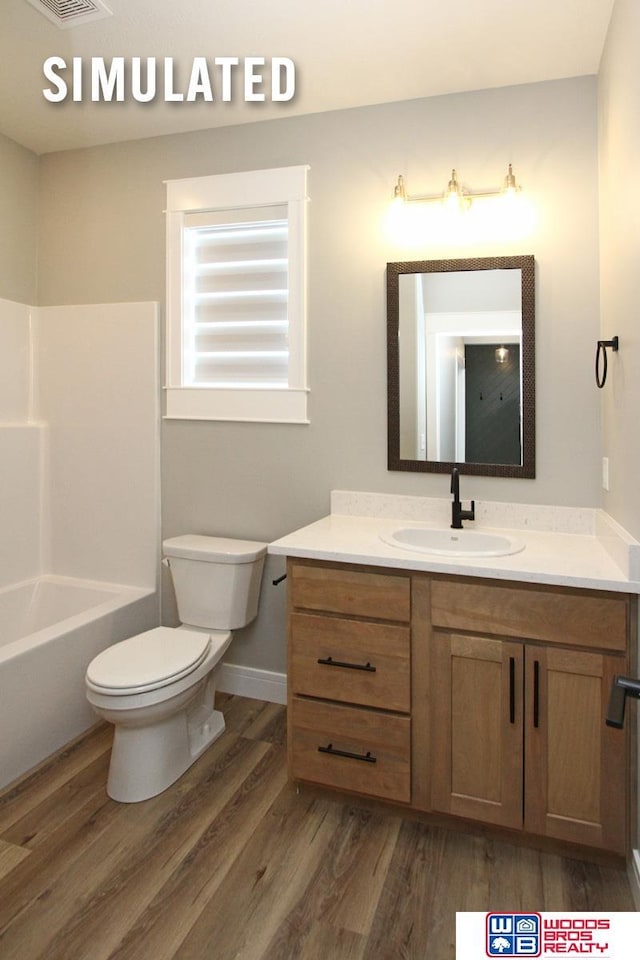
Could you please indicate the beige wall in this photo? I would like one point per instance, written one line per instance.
(619, 119)
(102, 239)
(18, 222)
(619, 124)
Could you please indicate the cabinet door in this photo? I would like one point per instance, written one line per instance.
(575, 765)
(476, 727)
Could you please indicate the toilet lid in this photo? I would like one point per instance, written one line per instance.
(149, 660)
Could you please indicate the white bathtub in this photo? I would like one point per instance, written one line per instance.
(50, 629)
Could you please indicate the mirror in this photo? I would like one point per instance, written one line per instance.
(461, 366)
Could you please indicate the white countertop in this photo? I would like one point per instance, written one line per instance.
(605, 559)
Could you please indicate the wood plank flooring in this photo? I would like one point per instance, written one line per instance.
(232, 863)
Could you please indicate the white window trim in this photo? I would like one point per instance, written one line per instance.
(282, 185)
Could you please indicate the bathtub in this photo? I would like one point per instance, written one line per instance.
(50, 629)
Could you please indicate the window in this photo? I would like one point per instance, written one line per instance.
(236, 330)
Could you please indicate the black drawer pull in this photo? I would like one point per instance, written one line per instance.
(367, 758)
(536, 693)
(512, 689)
(330, 662)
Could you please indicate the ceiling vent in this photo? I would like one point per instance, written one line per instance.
(71, 13)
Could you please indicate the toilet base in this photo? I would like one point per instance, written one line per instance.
(146, 760)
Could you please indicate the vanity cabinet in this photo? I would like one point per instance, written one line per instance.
(349, 679)
(520, 738)
(479, 699)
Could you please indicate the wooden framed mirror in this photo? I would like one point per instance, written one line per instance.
(461, 366)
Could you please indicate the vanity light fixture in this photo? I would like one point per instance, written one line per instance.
(455, 195)
(501, 354)
(510, 187)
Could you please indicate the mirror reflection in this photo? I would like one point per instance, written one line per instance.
(461, 354)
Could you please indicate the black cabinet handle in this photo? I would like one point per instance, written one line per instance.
(366, 757)
(330, 662)
(621, 688)
(512, 689)
(536, 693)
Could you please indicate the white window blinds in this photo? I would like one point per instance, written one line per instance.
(236, 325)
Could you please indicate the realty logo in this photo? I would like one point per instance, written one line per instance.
(513, 935)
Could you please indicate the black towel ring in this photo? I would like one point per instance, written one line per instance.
(601, 375)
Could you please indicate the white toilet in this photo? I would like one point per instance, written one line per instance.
(157, 688)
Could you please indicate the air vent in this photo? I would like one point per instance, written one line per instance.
(71, 13)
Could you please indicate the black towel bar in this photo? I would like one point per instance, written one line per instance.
(601, 375)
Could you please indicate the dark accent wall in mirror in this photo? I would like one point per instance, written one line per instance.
(461, 366)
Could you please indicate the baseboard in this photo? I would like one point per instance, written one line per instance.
(634, 877)
(253, 683)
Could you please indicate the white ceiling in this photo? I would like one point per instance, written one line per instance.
(347, 53)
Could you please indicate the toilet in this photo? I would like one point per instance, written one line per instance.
(158, 687)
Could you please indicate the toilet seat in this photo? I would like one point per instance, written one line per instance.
(151, 660)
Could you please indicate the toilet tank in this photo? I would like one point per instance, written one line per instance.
(216, 580)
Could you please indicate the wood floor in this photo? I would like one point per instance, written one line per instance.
(231, 863)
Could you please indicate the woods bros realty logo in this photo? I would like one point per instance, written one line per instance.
(146, 79)
(531, 935)
(513, 935)
(612, 936)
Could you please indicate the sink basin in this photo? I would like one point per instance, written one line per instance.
(452, 543)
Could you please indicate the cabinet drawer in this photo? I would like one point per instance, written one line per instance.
(365, 663)
(322, 732)
(377, 596)
(580, 619)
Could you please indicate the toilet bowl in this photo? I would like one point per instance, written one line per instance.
(158, 687)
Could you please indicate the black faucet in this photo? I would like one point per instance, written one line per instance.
(457, 513)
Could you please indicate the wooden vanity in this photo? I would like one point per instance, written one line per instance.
(474, 698)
